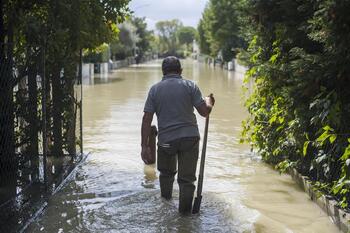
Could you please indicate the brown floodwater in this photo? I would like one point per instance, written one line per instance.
(114, 192)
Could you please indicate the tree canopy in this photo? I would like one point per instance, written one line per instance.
(167, 31)
(174, 38)
(219, 29)
(50, 34)
(186, 35)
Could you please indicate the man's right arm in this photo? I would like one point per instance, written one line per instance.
(205, 108)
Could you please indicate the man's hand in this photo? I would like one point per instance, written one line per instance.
(146, 154)
(210, 100)
(205, 108)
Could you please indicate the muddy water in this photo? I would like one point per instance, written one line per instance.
(114, 192)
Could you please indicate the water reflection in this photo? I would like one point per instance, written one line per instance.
(97, 81)
(150, 176)
(24, 188)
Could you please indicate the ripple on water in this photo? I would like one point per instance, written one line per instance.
(144, 211)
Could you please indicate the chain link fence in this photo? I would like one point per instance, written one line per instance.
(40, 133)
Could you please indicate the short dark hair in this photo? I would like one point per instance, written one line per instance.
(171, 64)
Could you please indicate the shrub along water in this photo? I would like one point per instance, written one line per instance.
(299, 56)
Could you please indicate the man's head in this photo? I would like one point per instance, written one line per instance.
(171, 65)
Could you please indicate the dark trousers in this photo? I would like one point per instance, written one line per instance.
(179, 155)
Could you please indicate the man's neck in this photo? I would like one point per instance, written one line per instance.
(172, 75)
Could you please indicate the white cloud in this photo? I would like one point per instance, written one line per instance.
(188, 11)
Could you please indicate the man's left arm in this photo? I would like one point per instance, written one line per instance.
(145, 132)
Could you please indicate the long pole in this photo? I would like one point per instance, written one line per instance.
(80, 80)
(198, 199)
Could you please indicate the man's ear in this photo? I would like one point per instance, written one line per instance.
(180, 71)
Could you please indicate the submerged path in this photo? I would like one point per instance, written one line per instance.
(114, 192)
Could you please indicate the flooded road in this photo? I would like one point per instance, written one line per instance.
(114, 192)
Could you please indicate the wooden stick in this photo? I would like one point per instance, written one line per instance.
(198, 199)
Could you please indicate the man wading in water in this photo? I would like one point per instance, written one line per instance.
(173, 99)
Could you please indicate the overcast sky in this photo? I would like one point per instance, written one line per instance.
(188, 11)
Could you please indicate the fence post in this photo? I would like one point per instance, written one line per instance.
(43, 102)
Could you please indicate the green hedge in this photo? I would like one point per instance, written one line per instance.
(299, 62)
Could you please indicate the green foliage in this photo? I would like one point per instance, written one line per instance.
(202, 39)
(133, 39)
(285, 165)
(52, 32)
(167, 30)
(219, 29)
(145, 36)
(298, 63)
(186, 35)
(125, 45)
(97, 55)
(174, 38)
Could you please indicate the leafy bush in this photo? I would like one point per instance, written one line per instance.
(299, 56)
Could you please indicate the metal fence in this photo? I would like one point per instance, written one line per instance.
(40, 134)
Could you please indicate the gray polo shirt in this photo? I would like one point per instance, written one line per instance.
(173, 99)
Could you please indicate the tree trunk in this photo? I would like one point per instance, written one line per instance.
(71, 134)
(2, 35)
(33, 148)
(57, 111)
(7, 140)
